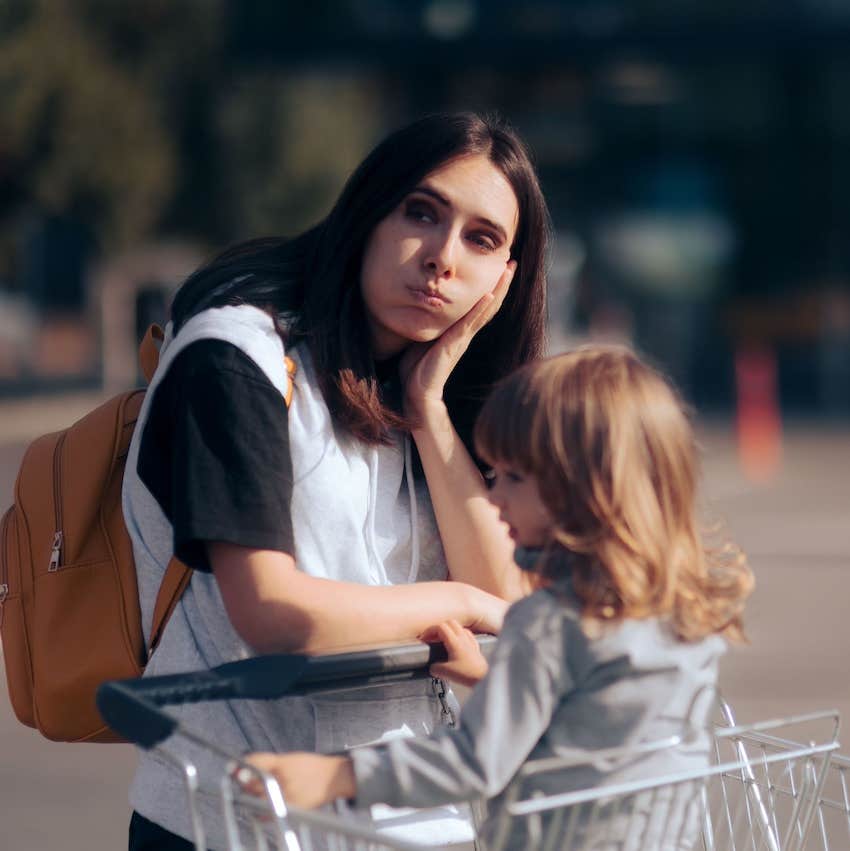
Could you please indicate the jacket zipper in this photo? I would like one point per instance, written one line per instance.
(56, 548)
(4, 562)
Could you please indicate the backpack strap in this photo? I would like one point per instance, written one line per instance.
(177, 574)
(149, 351)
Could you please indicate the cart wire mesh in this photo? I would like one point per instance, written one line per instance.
(831, 830)
(763, 792)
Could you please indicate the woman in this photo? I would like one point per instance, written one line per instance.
(314, 527)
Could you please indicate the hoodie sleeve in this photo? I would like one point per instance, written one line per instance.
(215, 453)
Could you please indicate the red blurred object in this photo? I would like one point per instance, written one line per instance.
(759, 421)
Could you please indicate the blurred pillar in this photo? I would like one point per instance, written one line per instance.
(759, 423)
(834, 353)
(120, 284)
(54, 251)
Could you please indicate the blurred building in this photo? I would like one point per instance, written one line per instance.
(694, 153)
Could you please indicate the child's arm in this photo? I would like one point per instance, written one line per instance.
(306, 780)
(466, 664)
(502, 721)
(330, 777)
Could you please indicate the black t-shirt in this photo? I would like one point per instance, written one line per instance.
(215, 453)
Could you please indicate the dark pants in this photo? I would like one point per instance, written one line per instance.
(147, 836)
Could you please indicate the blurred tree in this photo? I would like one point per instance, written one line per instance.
(134, 119)
(174, 50)
(87, 134)
(291, 141)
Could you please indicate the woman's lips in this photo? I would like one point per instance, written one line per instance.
(428, 298)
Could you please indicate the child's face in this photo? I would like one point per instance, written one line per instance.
(517, 497)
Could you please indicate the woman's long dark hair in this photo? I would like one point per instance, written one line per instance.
(313, 280)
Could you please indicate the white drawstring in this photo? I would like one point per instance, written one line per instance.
(414, 524)
(372, 545)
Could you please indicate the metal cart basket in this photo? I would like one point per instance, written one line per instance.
(764, 791)
(830, 828)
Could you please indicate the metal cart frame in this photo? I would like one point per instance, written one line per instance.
(764, 791)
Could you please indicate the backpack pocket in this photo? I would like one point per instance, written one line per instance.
(69, 602)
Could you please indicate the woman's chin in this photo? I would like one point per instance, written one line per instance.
(424, 333)
(389, 344)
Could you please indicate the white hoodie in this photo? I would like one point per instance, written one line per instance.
(357, 515)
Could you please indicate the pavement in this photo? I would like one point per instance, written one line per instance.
(795, 529)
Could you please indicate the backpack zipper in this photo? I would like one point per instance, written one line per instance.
(56, 548)
(4, 562)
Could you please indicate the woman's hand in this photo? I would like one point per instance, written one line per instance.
(466, 664)
(306, 780)
(425, 367)
(488, 612)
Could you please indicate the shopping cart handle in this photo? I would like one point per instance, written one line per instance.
(133, 707)
(132, 716)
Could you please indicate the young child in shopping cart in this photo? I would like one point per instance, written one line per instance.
(594, 469)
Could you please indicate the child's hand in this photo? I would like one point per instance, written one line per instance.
(306, 780)
(466, 664)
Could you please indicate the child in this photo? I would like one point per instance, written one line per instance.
(594, 471)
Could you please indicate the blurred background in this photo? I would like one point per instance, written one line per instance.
(696, 159)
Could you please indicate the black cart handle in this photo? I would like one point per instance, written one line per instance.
(133, 707)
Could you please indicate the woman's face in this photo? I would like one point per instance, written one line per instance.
(438, 253)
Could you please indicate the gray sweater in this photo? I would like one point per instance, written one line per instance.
(553, 691)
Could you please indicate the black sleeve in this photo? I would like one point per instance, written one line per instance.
(215, 453)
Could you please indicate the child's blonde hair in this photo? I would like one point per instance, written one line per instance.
(615, 460)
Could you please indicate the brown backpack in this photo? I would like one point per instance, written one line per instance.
(69, 603)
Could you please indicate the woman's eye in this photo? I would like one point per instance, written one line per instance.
(516, 478)
(484, 241)
(419, 212)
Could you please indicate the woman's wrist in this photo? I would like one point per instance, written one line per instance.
(430, 414)
(484, 611)
(468, 594)
(464, 605)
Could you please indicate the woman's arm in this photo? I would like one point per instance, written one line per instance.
(478, 548)
(477, 545)
(276, 608)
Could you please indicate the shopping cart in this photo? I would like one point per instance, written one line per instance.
(761, 793)
(830, 829)
(832, 826)
(135, 709)
(764, 791)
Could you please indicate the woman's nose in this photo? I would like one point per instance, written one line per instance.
(441, 254)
